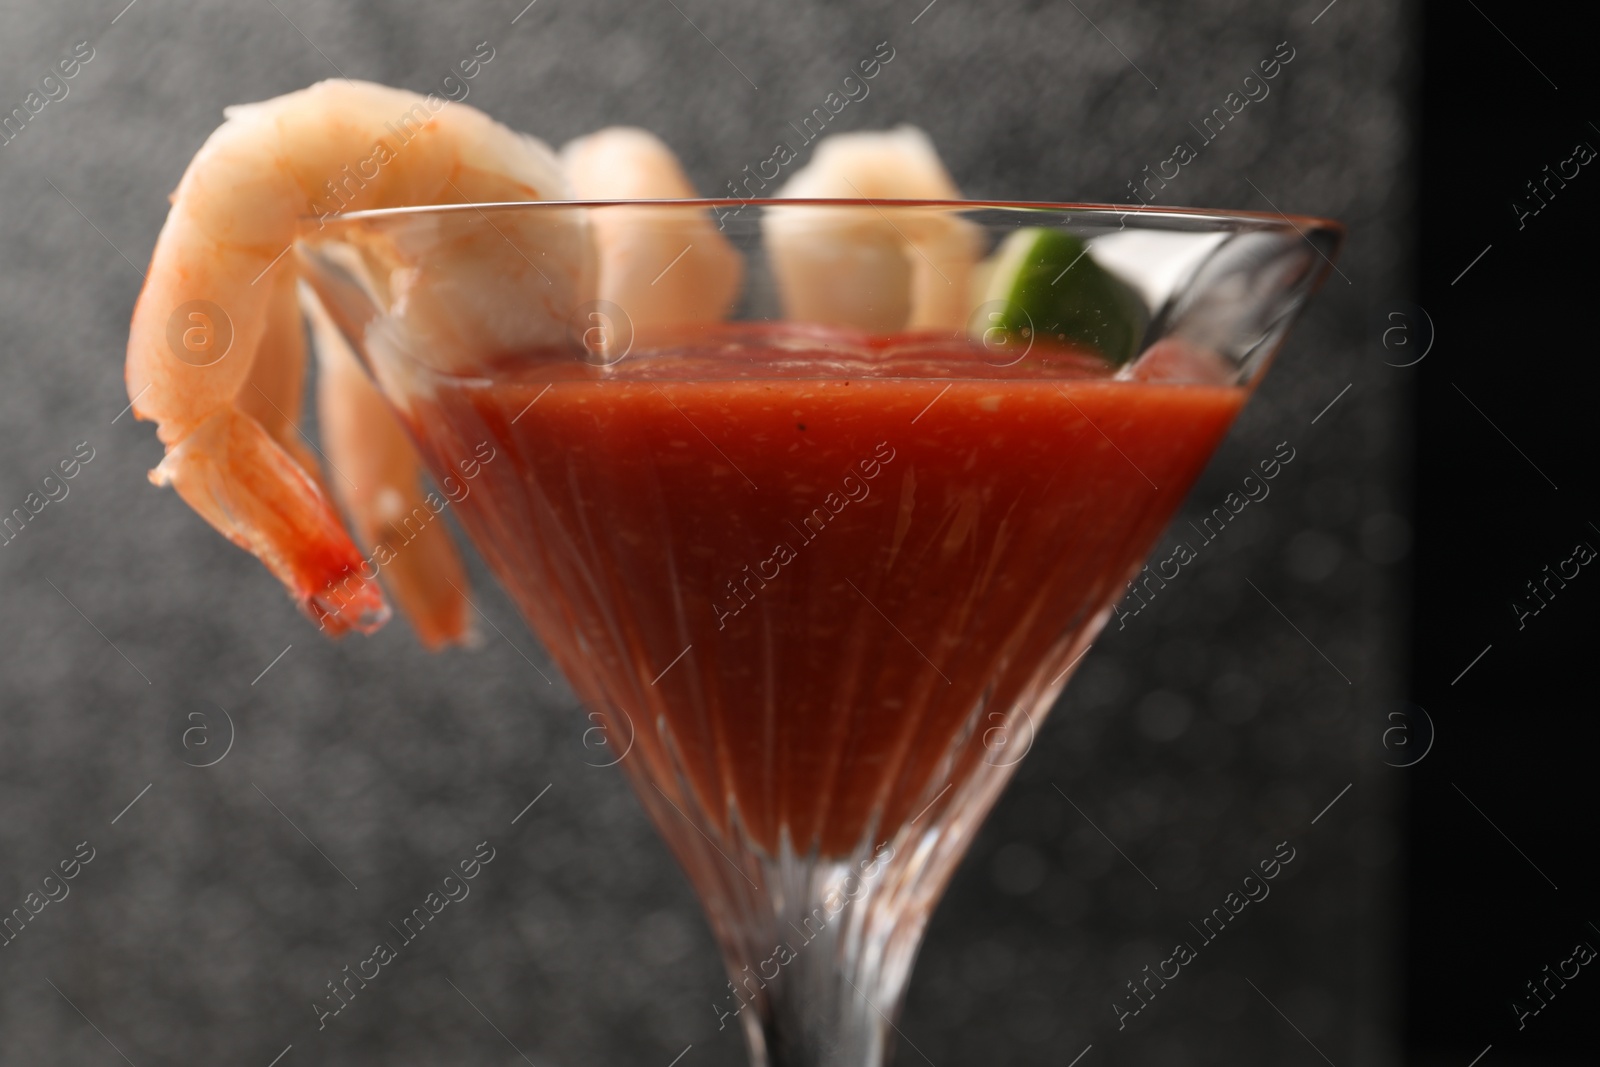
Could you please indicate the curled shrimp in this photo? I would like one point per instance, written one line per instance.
(874, 267)
(666, 270)
(216, 352)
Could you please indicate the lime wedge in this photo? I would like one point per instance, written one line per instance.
(1046, 284)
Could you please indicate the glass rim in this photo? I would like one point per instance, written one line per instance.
(1275, 219)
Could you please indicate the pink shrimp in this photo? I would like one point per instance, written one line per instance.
(666, 269)
(875, 267)
(216, 352)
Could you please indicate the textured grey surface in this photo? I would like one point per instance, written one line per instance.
(1196, 739)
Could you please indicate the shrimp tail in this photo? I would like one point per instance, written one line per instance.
(377, 477)
(241, 481)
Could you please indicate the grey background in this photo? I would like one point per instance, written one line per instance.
(1197, 738)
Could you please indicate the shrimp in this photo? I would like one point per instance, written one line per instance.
(378, 480)
(665, 269)
(216, 352)
(878, 268)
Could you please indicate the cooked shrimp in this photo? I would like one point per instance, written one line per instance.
(377, 476)
(215, 353)
(876, 268)
(665, 269)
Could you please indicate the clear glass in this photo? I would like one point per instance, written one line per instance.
(817, 505)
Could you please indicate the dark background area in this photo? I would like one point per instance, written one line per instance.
(1196, 739)
(1501, 814)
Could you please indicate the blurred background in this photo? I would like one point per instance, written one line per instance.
(1344, 670)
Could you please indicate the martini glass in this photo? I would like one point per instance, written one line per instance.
(818, 558)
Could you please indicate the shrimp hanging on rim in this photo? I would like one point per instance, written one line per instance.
(670, 270)
(875, 268)
(216, 353)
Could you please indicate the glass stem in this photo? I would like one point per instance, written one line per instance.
(819, 978)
